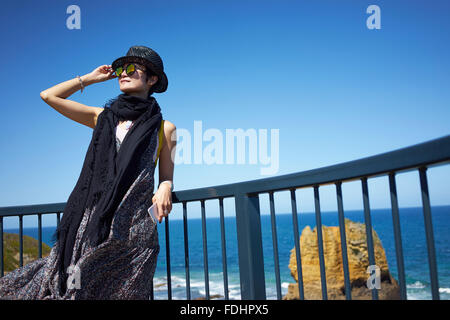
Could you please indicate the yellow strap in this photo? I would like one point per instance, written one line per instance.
(160, 134)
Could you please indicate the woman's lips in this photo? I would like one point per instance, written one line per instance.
(123, 80)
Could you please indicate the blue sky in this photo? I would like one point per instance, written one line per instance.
(336, 90)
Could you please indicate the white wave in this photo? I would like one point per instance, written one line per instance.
(216, 287)
(418, 296)
(414, 292)
(197, 287)
(285, 285)
(415, 285)
(234, 294)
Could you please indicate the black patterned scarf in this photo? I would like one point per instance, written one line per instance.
(106, 174)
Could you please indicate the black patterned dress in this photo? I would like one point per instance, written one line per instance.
(122, 267)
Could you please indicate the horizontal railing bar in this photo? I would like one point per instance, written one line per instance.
(33, 209)
(429, 153)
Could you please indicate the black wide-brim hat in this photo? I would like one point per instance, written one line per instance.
(150, 59)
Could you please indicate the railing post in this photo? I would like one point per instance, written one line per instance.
(186, 252)
(397, 236)
(40, 235)
(251, 258)
(275, 244)
(205, 250)
(169, 277)
(369, 237)
(224, 250)
(2, 267)
(21, 240)
(429, 234)
(323, 277)
(298, 255)
(340, 205)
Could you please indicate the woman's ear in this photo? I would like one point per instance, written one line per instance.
(152, 80)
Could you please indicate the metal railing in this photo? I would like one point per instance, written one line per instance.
(249, 236)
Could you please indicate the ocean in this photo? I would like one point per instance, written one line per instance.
(413, 241)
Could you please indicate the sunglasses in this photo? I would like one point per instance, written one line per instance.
(129, 69)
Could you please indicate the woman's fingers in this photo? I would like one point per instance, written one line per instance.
(163, 210)
(163, 204)
(168, 207)
(160, 212)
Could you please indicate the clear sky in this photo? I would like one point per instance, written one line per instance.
(333, 88)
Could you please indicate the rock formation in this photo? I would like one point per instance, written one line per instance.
(358, 261)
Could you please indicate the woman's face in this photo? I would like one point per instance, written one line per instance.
(136, 82)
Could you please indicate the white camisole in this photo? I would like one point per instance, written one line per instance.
(121, 132)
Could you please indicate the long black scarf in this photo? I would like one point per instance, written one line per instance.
(106, 174)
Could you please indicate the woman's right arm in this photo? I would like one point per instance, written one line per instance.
(56, 96)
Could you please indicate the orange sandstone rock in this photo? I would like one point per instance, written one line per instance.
(358, 260)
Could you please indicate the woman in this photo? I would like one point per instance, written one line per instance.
(106, 244)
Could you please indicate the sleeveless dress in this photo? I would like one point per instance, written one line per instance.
(122, 267)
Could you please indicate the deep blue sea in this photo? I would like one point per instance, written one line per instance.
(413, 242)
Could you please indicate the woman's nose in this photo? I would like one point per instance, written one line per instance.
(123, 71)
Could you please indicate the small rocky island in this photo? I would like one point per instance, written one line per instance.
(358, 261)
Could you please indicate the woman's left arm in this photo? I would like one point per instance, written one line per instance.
(163, 196)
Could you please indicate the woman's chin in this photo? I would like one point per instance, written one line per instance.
(127, 90)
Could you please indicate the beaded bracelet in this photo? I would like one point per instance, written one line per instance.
(81, 83)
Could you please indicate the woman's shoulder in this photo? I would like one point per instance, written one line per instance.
(169, 127)
(169, 131)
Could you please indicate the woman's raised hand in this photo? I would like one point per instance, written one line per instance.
(102, 73)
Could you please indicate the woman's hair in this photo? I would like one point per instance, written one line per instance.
(148, 74)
